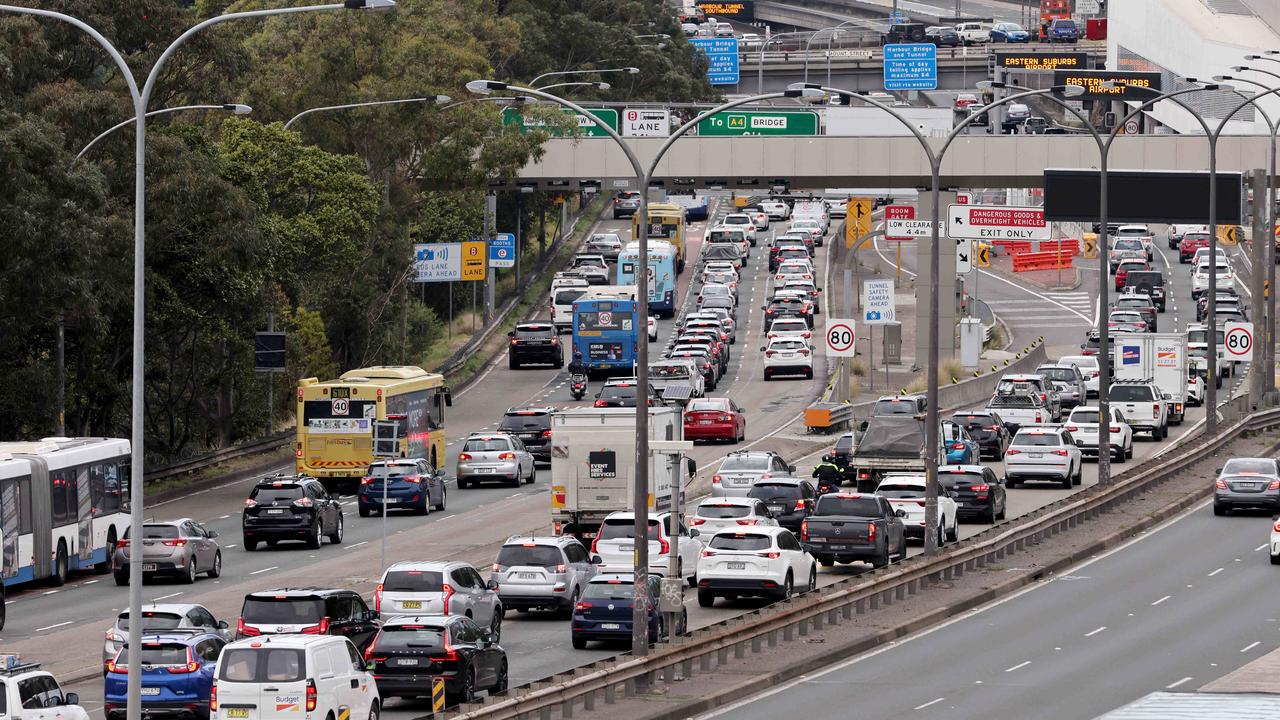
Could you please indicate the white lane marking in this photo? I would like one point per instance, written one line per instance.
(90, 582)
(229, 546)
(355, 545)
(1215, 572)
(50, 592)
(1263, 546)
(1166, 597)
(166, 597)
(931, 702)
(1020, 665)
(266, 569)
(223, 517)
(1095, 631)
(50, 627)
(1173, 685)
(1046, 298)
(1250, 646)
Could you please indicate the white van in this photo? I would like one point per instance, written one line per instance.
(293, 677)
(564, 290)
(812, 210)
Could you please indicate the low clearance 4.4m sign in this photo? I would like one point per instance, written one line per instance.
(996, 222)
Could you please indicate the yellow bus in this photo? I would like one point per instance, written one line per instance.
(335, 419)
(666, 222)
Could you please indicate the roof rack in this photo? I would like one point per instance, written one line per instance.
(11, 664)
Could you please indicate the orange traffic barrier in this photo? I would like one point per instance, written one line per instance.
(1050, 260)
(1068, 244)
(1012, 247)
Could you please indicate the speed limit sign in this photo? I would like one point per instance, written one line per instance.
(839, 337)
(1237, 340)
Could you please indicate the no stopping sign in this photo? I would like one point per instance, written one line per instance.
(839, 337)
(1237, 340)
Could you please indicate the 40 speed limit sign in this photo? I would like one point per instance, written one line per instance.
(839, 337)
(1237, 340)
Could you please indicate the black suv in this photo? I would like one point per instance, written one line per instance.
(1147, 282)
(309, 611)
(787, 307)
(987, 429)
(535, 342)
(790, 501)
(533, 426)
(290, 507)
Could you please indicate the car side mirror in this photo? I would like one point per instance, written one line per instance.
(371, 614)
(492, 584)
(371, 666)
(1167, 396)
(597, 560)
(222, 625)
(511, 334)
(439, 473)
(694, 533)
(901, 513)
(691, 466)
(212, 533)
(791, 469)
(762, 348)
(1217, 471)
(71, 699)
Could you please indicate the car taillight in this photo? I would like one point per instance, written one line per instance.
(698, 521)
(243, 630)
(507, 456)
(707, 553)
(377, 594)
(320, 629)
(871, 532)
(664, 547)
(249, 502)
(113, 668)
(801, 504)
(174, 543)
(601, 403)
(1039, 417)
(995, 428)
(958, 446)
(366, 480)
(1072, 428)
(1276, 526)
(583, 605)
(804, 530)
(770, 555)
(748, 521)
(447, 589)
(980, 487)
(213, 698)
(770, 353)
(1155, 408)
(1060, 452)
(546, 433)
(806, 333)
(464, 457)
(121, 543)
(413, 479)
(1044, 398)
(1011, 451)
(1115, 428)
(1275, 485)
(804, 352)
(189, 667)
(311, 695)
(450, 655)
(716, 479)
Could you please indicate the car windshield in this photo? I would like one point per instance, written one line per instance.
(1127, 244)
(393, 470)
(725, 236)
(1083, 416)
(973, 421)
(266, 664)
(741, 541)
(673, 370)
(618, 392)
(723, 511)
(265, 495)
(282, 610)
(156, 654)
(1063, 374)
(950, 479)
(1014, 400)
(774, 491)
(1250, 465)
(900, 490)
(486, 445)
(410, 637)
(609, 590)
(547, 556)
(859, 506)
(723, 251)
(413, 581)
(717, 302)
(745, 462)
(894, 407)
(1037, 440)
(787, 345)
(151, 620)
(1131, 393)
(712, 404)
(516, 421)
(156, 532)
(566, 297)
(625, 529)
(540, 332)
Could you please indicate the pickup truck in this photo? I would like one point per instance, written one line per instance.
(889, 443)
(1019, 409)
(849, 526)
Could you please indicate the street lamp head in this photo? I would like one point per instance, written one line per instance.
(237, 108)
(632, 70)
(1254, 57)
(601, 85)
(800, 86)
(1222, 78)
(381, 5)
(991, 84)
(485, 87)
(443, 99)
(1070, 90)
(1273, 52)
(1240, 68)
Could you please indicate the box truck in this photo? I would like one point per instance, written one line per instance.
(1160, 358)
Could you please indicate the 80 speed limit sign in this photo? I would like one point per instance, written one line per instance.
(839, 337)
(1237, 340)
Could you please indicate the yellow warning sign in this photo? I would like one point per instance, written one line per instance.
(1090, 246)
(473, 260)
(1228, 234)
(437, 694)
(857, 222)
(984, 255)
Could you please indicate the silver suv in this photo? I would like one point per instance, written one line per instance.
(439, 588)
(1068, 381)
(740, 471)
(545, 573)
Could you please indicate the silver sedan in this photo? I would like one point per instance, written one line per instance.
(494, 456)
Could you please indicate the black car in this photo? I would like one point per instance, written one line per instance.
(788, 500)
(987, 429)
(622, 393)
(533, 426)
(408, 652)
(535, 342)
(784, 307)
(942, 36)
(977, 490)
(309, 611)
(1147, 282)
(290, 507)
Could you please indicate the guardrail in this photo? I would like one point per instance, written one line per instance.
(1048, 260)
(253, 447)
(801, 615)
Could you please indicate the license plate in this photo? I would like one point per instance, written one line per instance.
(837, 547)
(407, 661)
(1242, 486)
(148, 567)
(1035, 456)
(737, 566)
(237, 712)
(775, 508)
(411, 604)
(484, 471)
(150, 691)
(392, 501)
(704, 422)
(527, 576)
(610, 626)
(276, 512)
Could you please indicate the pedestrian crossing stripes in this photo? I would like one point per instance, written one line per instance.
(1051, 307)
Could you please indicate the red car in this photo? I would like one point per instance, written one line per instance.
(1122, 270)
(714, 419)
(1190, 243)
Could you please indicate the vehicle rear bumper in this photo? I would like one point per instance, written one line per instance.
(841, 550)
(115, 709)
(526, 598)
(1258, 500)
(703, 432)
(413, 685)
(739, 585)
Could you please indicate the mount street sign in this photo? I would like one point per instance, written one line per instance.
(996, 222)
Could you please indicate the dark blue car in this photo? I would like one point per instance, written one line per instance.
(1063, 30)
(177, 675)
(411, 484)
(604, 611)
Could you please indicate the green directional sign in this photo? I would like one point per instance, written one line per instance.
(758, 122)
(513, 116)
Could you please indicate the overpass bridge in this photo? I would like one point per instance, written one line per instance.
(827, 161)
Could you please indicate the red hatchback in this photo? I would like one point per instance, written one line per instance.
(714, 419)
(1190, 243)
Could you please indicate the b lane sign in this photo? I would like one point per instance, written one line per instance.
(839, 337)
(641, 122)
(996, 222)
(878, 307)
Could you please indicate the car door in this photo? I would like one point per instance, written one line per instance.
(790, 549)
(204, 547)
(469, 635)
(894, 536)
(363, 625)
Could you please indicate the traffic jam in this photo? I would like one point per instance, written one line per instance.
(511, 530)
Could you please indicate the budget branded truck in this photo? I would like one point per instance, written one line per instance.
(1160, 358)
(593, 460)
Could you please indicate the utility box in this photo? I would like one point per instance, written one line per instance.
(892, 342)
(1095, 29)
(970, 342)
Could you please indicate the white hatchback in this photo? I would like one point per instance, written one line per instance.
(615, 544)
(729, 513)
(905, 492)
(761, 562)
(1082, 423)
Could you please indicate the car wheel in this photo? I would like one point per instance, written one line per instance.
(1011, 484)
(1066, 481)
(566, 612)
(533, 474)
(250, 545)
(122, 579)
(1129, 452)
(105, 565)
(500, 684)
(60, 567)
(1219, 510)
(443, 492)
(692, 580)
(190, 577)
(216, 570)
(990, 516)
(364, 511)
(1079, 477)
(495, 625)
(336, 537)
(706, 599)
(813, 579)
(1118, 456)
(953, 535)
(315, 538)
(579, 643)
(1275, 559)
(825, 561)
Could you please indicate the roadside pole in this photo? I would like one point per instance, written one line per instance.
(1257, 375)
(842, 394)
(490, 228)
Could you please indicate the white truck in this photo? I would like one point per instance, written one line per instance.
(593, 454)
(1160, 358)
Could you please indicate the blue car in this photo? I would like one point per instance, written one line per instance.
(1008, 32)
(411, 484)
(177, 675)
(1063, 30)
(604, 611)
(961, 448)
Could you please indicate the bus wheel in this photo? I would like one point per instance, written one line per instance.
(59, 577)
(105, 565)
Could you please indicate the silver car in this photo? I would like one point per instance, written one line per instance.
(548, 573)
(494, 456)
(176, 548)
(439, 588)
(1069, 382)
(1247, 483)
(740, 471)
(593, 267)
(164, 616)
(607, 244)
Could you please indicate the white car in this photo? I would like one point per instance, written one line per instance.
(730, 513)
(809, 287)
(1082, 423)
(653, 329)
(759, 561)
(1195, 385)
(1275, 542)
(29, 693)
(760, 218)
(789, 328)
(1142, 404)
(1200, 277)
(1089, 368)
(293, 676)
(1141, 232)
(776, 209)
(905, 492)
(787, 356)
(793, 269)
(743, 222)
(615, 545)
(1043, 453)
(593, 267)
(813, 227)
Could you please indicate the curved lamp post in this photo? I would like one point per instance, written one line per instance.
(560, 73)
(234, 108)
(831, 34)
(437, 99)
(596, 85)
(640, 500)
(141, 98)
(760, 55)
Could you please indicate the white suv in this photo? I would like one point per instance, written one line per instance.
(29, 693)
(743, 222)
(292, 676)
(905, 492)
(787, 355)
(614, 547)
(1043, 453)
(1143, 405)
(761, 561)
(1083, 426)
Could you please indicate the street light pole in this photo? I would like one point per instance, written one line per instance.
(437, 99)
(234, 108)
(559, 73)
(760, 56)
(140, 100)
(1269, 348)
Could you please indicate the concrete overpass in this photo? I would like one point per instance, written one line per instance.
(822, 161)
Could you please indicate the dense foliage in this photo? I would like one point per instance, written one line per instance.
(313, 225)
